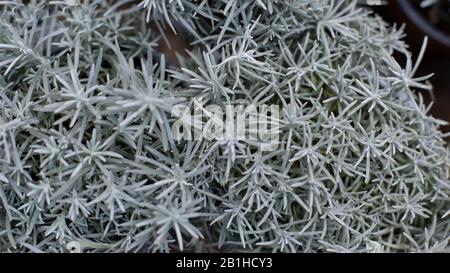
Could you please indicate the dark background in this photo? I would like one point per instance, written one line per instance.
(436, 60)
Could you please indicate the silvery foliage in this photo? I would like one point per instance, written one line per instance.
(88, 162)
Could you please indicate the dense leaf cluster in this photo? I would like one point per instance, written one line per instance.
(88, 161)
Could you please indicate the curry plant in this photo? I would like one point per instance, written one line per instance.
(89, 162)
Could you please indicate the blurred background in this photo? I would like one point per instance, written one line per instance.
(427, 18)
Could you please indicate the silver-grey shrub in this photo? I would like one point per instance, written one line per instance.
(88, 161)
